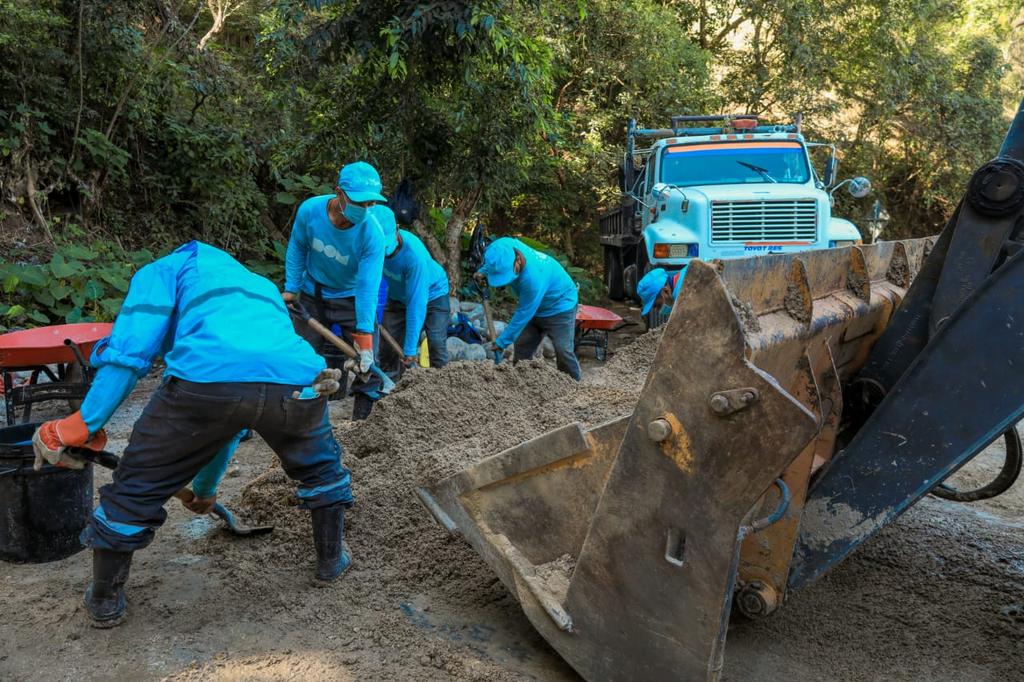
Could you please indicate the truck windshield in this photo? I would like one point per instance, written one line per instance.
(734, 163)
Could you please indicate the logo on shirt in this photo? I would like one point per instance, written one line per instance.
(393, 275)
(329, 251)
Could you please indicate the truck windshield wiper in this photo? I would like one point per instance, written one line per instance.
(763, 172)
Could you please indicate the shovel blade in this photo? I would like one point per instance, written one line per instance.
(228, 517)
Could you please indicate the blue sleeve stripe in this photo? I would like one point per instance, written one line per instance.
(148, 309)
(226, 291)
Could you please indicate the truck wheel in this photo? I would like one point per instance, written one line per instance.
(613, 273)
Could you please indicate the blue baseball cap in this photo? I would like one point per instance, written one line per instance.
(384, 217)
(360, 182)
(649, 286)
(499, 262)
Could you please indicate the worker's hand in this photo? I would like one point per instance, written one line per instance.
(200, 505)
(409, 361)
(495, 351)
(327, 382)
(287, 296)
(52, 437)
(364, 346)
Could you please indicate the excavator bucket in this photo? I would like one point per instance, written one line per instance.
(625, 543)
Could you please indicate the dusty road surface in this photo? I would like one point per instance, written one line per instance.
(937, 596)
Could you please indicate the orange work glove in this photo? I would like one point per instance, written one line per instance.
(52, 437)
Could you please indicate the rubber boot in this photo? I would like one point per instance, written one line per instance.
(332, 555)
(104, 598)
(361, 407)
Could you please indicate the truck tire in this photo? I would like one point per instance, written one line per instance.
(613, 273)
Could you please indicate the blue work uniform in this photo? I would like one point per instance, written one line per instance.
(417, 301)
(337, 273)
(233, 361)
(548, 299)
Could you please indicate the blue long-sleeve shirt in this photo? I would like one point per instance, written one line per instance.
(414, 279)
(210, 318)
(197, 308)
(544, 289)
(346, 262)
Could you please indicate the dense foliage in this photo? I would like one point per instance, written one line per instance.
(130, 124)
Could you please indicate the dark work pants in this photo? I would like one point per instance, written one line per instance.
(562, 330)
(342, 312)
(435, 325)
(180, 431)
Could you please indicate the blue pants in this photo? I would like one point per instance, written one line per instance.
(436, 327)
(561, 328)
(181, 430)
(342, 312)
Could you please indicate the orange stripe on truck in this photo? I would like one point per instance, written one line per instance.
(734, 145)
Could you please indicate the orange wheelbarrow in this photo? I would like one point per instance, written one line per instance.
(57, 353)
(592, 327)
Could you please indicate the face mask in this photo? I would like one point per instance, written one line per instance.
(666, 310)
(355, 214)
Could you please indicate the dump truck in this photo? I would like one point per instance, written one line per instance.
(737, 189)
(797, 403)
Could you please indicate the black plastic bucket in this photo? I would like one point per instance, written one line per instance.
(41, 512)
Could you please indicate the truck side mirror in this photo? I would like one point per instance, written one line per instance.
(859, 187)
(831, 170)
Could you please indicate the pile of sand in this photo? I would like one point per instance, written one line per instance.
(434, 424)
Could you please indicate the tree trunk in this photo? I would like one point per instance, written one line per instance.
(453, 239)
(218, 24)
(430, 241)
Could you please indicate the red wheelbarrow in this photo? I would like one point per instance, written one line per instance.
(59, 353)
(592, 327)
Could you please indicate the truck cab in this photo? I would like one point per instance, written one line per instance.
(735, 190)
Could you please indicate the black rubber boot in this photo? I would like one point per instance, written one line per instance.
(104, 598)
(361, 407)
(332, 555)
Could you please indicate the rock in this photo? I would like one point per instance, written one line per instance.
(456, 348)
(474, 351)
(499, 326)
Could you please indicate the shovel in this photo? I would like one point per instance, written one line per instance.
(109, 460)
(387, 385)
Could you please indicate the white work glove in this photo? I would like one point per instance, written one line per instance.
(55, 456)
(327, 382)
(364, 346)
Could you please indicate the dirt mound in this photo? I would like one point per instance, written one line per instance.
(434, 424)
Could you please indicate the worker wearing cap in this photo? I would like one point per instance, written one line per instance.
(233, 360)
(417, 300)
(658, 288)
(333, 267)
(547, 302)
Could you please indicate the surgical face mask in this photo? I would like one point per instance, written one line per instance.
(355, 214)
(666, 310)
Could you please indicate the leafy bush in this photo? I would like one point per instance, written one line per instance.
(78, 284)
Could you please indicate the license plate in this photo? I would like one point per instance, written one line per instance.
(677, 250)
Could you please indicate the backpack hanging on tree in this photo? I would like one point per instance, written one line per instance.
(403, 204)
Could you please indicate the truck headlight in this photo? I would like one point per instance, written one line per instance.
(676, 250)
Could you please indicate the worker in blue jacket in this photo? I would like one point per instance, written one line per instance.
(333, 267)
(233, 360)
(659, 289)
(417, 301)
(547, 302)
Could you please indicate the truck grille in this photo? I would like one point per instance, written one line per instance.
(755, 221)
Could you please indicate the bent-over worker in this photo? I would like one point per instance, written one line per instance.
(547, 302)
(417, 300)
(333, 266)
(233, 361)
(658, 288)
